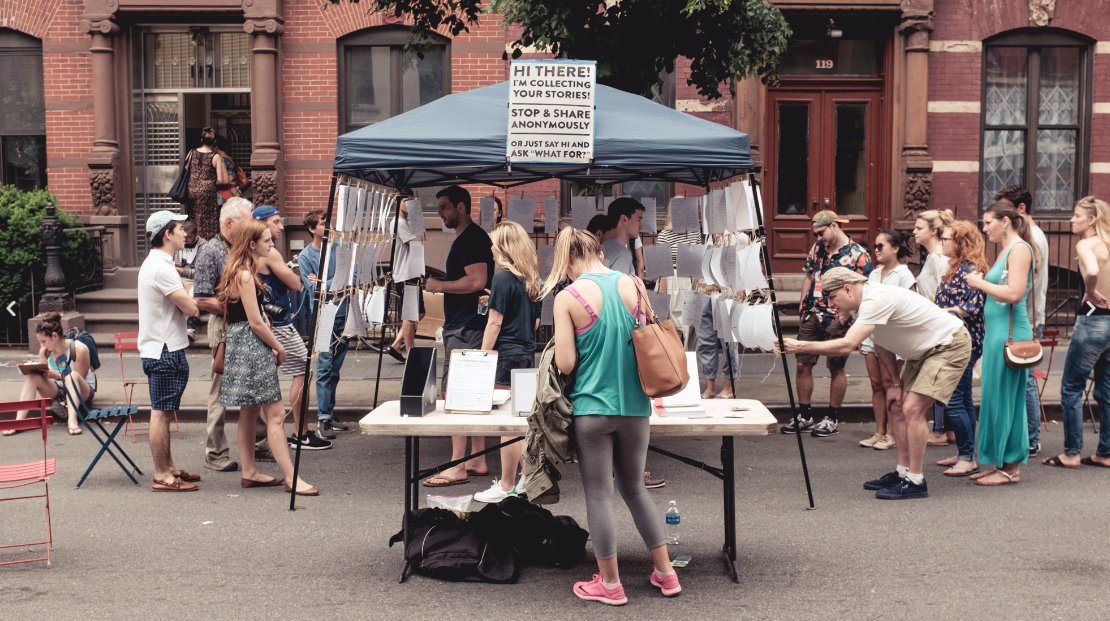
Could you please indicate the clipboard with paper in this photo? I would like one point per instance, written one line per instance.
(470, 380)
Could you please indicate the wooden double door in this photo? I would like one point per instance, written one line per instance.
(826, 154)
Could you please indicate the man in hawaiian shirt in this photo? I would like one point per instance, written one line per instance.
(821, 323)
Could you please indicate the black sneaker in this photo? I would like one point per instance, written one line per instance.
(325, 429)
(883, 482)
(825, 428)
(904, 490)
(805, 423)
(1034, 449)
(309, 442)
(338, 426)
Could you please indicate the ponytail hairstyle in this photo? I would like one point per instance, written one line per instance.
(51, 324)
(571, 245)
(241, 258)
(1020, 225)
(208, 136)
(937, 219)
(969, 247)
(898, 241)
(513, 251)
(1100, 211)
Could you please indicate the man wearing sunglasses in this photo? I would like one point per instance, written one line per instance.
(819, 322)
(936, 346)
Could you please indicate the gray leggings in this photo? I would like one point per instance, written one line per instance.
(609, 445)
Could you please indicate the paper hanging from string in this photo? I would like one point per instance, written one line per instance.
(657, 261)
(547, 261)
(416, 217)
(753, 269)
(736, 314)
(376, 307)
(692, 306)
(689, 260)
(324, 326)
(547, 310)
(715, 266)
(410, 306)
(340, 204)
(706, 260)
(684, 215)
(550, 215)
(488, 207)
(660, 303)
(651, 220)
(355, 324)
(523, 211)
(717, 216)
(582, 210)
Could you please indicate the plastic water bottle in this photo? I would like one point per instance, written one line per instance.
(674, 520)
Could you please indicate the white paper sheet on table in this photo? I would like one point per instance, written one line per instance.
(582, 210)
(489, 207)
(718, 213)
(547, 261)
(651, 218)
(684, 215)
(706, 260)
(692, 307)
(522, 210)
(547, 310)
(324, 326)
(657, 261)
(689, 260)
(410, 306)
(690, 395)
(550, 214)
(660, 303)
(470, 381)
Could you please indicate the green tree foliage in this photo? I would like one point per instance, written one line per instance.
(632, 41)
(22, 251)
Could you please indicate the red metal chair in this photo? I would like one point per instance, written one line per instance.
(129, 385)
(20, 475)
(1049, 339)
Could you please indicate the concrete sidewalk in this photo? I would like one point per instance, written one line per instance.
(761, 377)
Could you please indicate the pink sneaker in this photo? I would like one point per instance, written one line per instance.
(594, 590)
(669, 584)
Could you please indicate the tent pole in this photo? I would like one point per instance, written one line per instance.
(778, 330)
(309, 372)
(388, 280)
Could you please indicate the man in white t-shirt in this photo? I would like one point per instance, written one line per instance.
(1022, 200)
(935, 344)
(164, 305)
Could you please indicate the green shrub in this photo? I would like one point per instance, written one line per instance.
(22, 251)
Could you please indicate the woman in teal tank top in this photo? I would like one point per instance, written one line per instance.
(1003, 433)
(594, 319)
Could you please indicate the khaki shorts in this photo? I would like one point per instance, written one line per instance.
(811, 330)
(937, 374)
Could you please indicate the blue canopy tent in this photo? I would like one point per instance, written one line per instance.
(461, 138)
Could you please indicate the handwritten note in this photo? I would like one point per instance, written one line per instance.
(692, 307)
(488, 207)
(550, 214)
(547, 310)
(660, 303)
(718, 212)
(522, 210)
(547, 261)
(650, 215)
(689, 260)
(657, 261)
(684, 215)
(582, 209)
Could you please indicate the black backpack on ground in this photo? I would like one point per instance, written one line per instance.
(541, 538)
(87, 340)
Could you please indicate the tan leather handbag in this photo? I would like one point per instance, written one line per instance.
(660, 356)
(1023, 354)
(221, 349)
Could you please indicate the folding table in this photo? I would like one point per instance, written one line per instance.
(386, 420)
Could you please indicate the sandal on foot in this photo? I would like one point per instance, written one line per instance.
(960, 472)
(1089, 461)
(1009, 479)
(708, 395)
(449, 481)
(948, 462)
(11, 432)
(982, 474)
(1056, 462)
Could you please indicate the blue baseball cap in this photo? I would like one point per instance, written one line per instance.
(159, 219)
(263, 212)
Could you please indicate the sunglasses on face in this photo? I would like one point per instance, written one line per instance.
(879, 247)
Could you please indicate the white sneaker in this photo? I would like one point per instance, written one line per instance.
(494, 494)
(519, 490)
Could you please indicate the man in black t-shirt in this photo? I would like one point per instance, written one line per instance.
(469, 272)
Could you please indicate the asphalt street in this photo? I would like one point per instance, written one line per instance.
(1030, 551)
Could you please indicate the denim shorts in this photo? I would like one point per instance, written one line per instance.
(506, 364)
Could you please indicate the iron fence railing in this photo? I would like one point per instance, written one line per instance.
(13, 320)
(90, 273)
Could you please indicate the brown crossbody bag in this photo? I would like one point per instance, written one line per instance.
(660, 356)
(1023, 354)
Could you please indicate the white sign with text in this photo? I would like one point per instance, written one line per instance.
(551, 111)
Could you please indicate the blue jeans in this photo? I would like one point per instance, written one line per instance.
(1089, 350)
(328, 365)
(709, 344)
(961, 415)
(1033, 402)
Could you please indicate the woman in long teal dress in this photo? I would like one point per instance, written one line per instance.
(1003, 432)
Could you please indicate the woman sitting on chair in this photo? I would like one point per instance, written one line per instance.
(67, 363)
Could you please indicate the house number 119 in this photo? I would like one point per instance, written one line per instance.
(824, 64)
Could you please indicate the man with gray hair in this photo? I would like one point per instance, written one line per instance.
(935, 344)
(210, 262)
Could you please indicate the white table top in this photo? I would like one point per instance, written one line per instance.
(386, 420)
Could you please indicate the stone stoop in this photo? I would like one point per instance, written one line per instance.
(117, 310)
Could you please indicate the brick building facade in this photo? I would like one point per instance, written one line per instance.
(885, 107)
